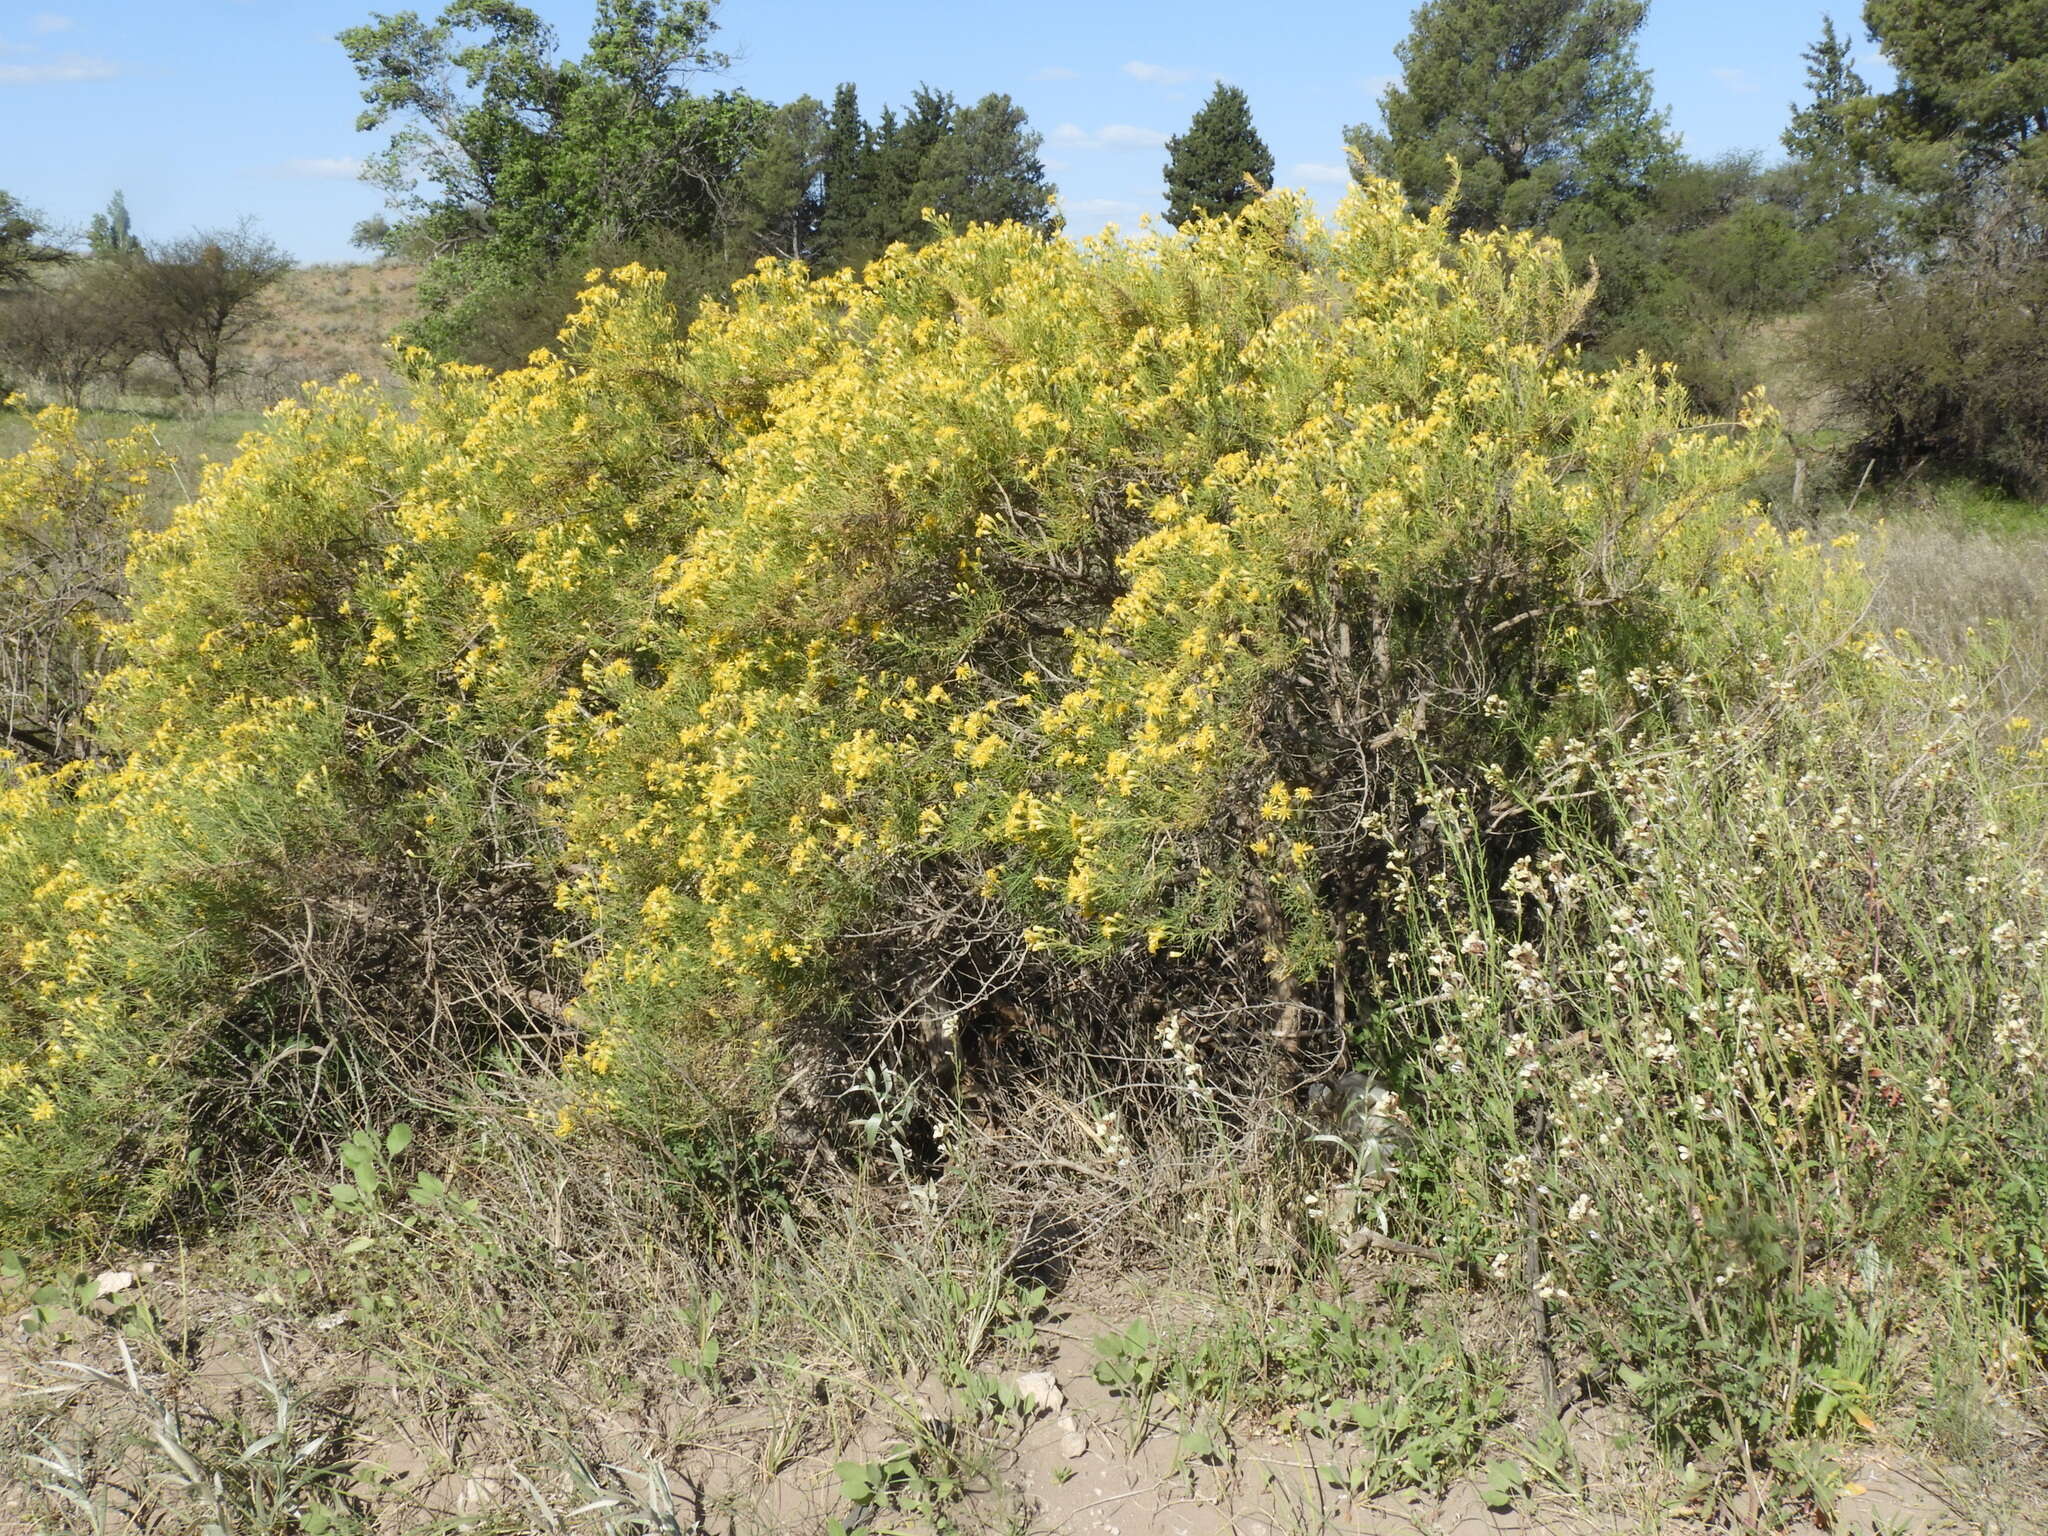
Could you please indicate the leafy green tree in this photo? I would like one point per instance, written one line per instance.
(509, 162)
(985, 168)
(1206, 167)
(486, 121)
(1529, 105)
(782, 184)
(514, 170)
(1972, 92)
(111, 233)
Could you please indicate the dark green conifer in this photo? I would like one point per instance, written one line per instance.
(1972, 92)
(842, 214)
(1206, 167)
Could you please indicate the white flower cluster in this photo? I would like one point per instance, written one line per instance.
(2015, 1035)
(1175, 1043)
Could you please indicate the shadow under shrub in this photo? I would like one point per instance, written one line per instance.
(1010, 655)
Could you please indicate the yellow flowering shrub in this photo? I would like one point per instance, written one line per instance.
(1017, 638)
(1081, 614)
(68, 503)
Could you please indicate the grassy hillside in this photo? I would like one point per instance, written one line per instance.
(330, 320)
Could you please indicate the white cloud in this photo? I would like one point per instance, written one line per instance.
(1055, 72)
(1130, 136)
(1111, 136)
(1315, 171)
(1740, 81)
(60, 70)
(320, 168)
(1158, 74)
(1096, 211)
(46, 22)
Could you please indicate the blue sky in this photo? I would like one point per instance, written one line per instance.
(204, 111)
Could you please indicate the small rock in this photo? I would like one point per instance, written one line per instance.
(1041, 1392)
(112, 1282)
(1073, 1443)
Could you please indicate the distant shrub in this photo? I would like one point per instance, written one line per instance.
(1717, 250)
(483, 308)
(1019, 651)
(1942, 362)
(192, 300)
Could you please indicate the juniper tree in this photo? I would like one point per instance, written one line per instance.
(1820, 131)
(898, 206)
(1829, 142)
(975, 164)
(890, 166)
(842, 212)
(1206, 167)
